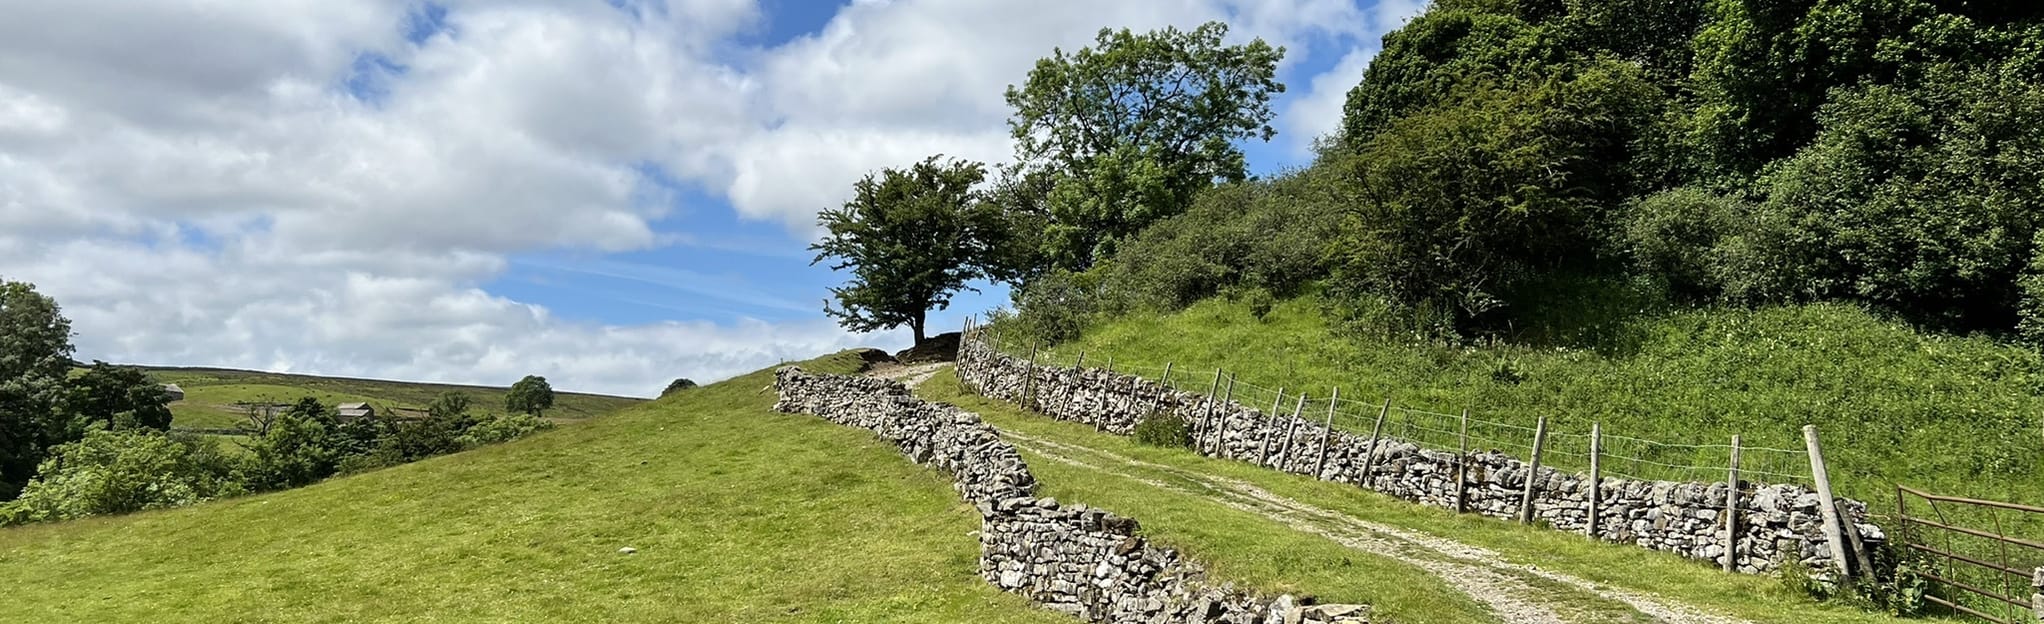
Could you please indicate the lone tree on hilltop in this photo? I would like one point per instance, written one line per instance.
(679, 384)
(911, 237)
(531, 395)
(1130, 129)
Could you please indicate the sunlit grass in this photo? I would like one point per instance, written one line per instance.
(739, 514)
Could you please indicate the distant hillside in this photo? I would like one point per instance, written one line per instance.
(211, 394)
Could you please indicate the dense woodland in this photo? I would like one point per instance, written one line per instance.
(1501, 154)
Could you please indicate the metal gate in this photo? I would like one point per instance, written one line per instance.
(1986, 570)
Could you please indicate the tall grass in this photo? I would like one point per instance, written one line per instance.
(1951, 414)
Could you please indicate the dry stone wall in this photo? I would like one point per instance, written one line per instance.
(1067, 557)
(1774, 522)
(2037, 599)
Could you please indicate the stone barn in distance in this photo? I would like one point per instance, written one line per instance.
(350, 411)
(172, 392)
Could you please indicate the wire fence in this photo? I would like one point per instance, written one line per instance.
(1616, 454)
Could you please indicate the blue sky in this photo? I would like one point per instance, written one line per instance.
(728, 268)
(611, 193)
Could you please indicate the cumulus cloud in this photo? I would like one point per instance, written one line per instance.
(1317, 113)
(326, 186)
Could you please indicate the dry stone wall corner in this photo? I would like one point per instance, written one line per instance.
(1070, 558)
(1775, 522)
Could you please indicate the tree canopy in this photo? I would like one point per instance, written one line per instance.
(1698, 152)
(35, 359)
(109, 394)
(1130, 128)
(679, 384)
(1860, 150)
(912, 238)
(531, 395)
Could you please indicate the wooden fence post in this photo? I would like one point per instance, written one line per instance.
(964, 359)
(1206, 415)
(1596, 477)
(1462, 466)
(1221, 434)
(1072, 387)
(1291, 429)
(1327, 432)
(1263, 450)
(1533, 471)
(1163, 387)
(1832, 533)
(1106, 395)
(1732, 509)
(1370, 452)
(1029, 378)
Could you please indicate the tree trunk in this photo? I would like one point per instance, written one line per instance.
(917, 326)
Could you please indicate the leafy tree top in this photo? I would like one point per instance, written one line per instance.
(105, 393)
(679, 384)
(911, 238)
(35, 358)
(1125, 132)
(531, 395)
(1177, 96)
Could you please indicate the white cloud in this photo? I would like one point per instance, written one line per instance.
(197, 183)
(1318, 112)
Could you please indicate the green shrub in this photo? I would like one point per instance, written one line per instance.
(502, 428)
(1269, 235)
(1058, 305)
(1895, 586)
(1164, 429)
(112, 472)
(414, 440)
(1469, 199)
(1676, 236)
(296, 451)
(379, 457)
(1907, 200)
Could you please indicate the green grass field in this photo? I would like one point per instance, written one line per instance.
(738, 514)
(211, 394)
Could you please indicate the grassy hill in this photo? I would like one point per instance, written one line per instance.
(210, 394)
(1958, 415)
(738, 514)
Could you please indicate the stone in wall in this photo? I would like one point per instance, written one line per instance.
(1070, 558)
(1775, 522)
(2037, 599)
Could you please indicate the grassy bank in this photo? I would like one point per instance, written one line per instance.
(1958, 415)
(738, 514)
